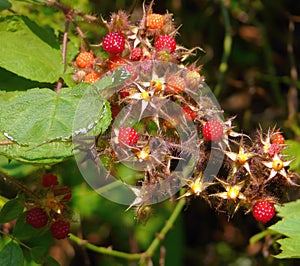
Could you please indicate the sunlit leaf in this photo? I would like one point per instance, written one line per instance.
(29, 50)
(289, 226)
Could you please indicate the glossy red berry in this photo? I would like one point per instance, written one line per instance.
(128, 136)
(263, 211)
(165, 42)
(37, 217)
(49, 180)
(85, 60)
(212, 130)
(60, 229)
(278, 138)
(114, 43)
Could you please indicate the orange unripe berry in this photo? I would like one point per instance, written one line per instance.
(92, 77)
(155, 21)
(85, 60)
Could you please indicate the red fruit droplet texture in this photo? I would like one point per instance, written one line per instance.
(37, 217)
(115, 62)
(263, 211)
(113, 43)
(60, 229)
(49, 180)
(165, 42)
(136, 54)
(128, 136)
(212, 130)
(190, 115)
(274, 149)
(278, 138)
(175, 84)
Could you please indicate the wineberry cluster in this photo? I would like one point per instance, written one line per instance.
(50, 209)
(171, 121)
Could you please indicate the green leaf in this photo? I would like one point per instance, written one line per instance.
(289, 226)
(290, 248)
(47, 153)
(10, 211)
(11, 254)
(4, 4)
(293, 149)
(29, 50)
(40, 116)
(16, 169)
(38, 125)
(289, 208)
(51, 261)
(38, 254)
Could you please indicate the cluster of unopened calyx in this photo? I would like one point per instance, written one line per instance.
(50, 208)
(126, 42)
(250, 170)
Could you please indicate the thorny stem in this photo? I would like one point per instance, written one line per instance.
(79, 31)
(66, 10)
(143, 256)
(227, 45)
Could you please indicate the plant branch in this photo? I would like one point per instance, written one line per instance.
(136, 256)
(19, 185)
(64, 44)
(106, 251)
(168, 225)
(227, 45)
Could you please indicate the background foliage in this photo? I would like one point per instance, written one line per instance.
(250, 62)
